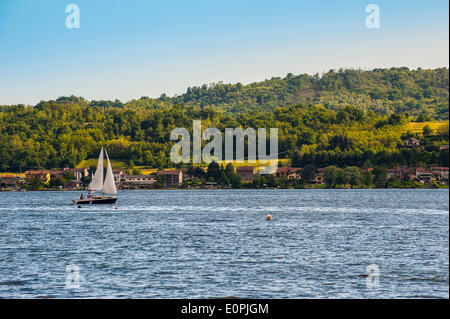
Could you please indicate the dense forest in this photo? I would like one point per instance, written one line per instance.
(385, 91)
(344, 118)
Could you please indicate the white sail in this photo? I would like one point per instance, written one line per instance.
(109, 187)
(97, 179)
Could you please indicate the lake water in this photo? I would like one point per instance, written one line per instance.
(208, 244)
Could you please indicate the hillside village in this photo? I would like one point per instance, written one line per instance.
(248, 177)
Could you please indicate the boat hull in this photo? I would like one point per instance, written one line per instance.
(96, 200)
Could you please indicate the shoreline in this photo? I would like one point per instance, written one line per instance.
(219, 189)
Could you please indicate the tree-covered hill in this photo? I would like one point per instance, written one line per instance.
(421, 93)
(58, 134)
(341, 118)
(385, 91)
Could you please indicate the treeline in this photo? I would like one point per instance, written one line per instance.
(420, 93)
(385, 91)
(64, 132)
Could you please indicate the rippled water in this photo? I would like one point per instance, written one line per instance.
(203, 244)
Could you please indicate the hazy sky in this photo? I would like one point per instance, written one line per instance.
(128, 49)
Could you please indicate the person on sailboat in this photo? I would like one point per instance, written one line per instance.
(81, 196)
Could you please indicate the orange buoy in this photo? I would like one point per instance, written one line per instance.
(268, 217)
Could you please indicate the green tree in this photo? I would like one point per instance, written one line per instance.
(236, 181)
(353, 175)
(214, 171)
(427, 130)
(56, 182)
(380, 177)
(330, 176)
(68, 175)
(367, 179)
(36, 184)
(308, 173)
(85, 181)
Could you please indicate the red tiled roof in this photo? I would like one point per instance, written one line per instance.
(288, 169)
(245, 169)
(399, 169)
(138, 176)
(168, 172)
(423, 170)
(56, 172)
(36, 172)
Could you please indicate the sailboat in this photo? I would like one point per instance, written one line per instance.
(108, 186)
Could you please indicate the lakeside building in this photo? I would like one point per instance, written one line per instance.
(210, 185)
(79, 173)
(318, 178)
(401, 173)
(424, 175)
(73, 184)
(172, 178)
(186, 177)
(288, 173)
(419, 174)
(440, 173)
(246, 173)
(44, 176)
(10, 182)
(56, 174)
(365, 170)
(411, 142)
(117, 174)
(175, 178)
(137, 181)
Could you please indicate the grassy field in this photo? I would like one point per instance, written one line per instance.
(283, 162)
(93, 162)
(417, 127)
(12, 174)
(145, 170)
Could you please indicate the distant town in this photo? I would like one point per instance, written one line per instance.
(215, 177)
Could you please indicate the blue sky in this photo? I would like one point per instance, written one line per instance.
(128, 49)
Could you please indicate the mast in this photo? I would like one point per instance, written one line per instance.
(97, 179)
(109, 187)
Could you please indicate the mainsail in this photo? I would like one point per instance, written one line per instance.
(109, 187)
(97, 180)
